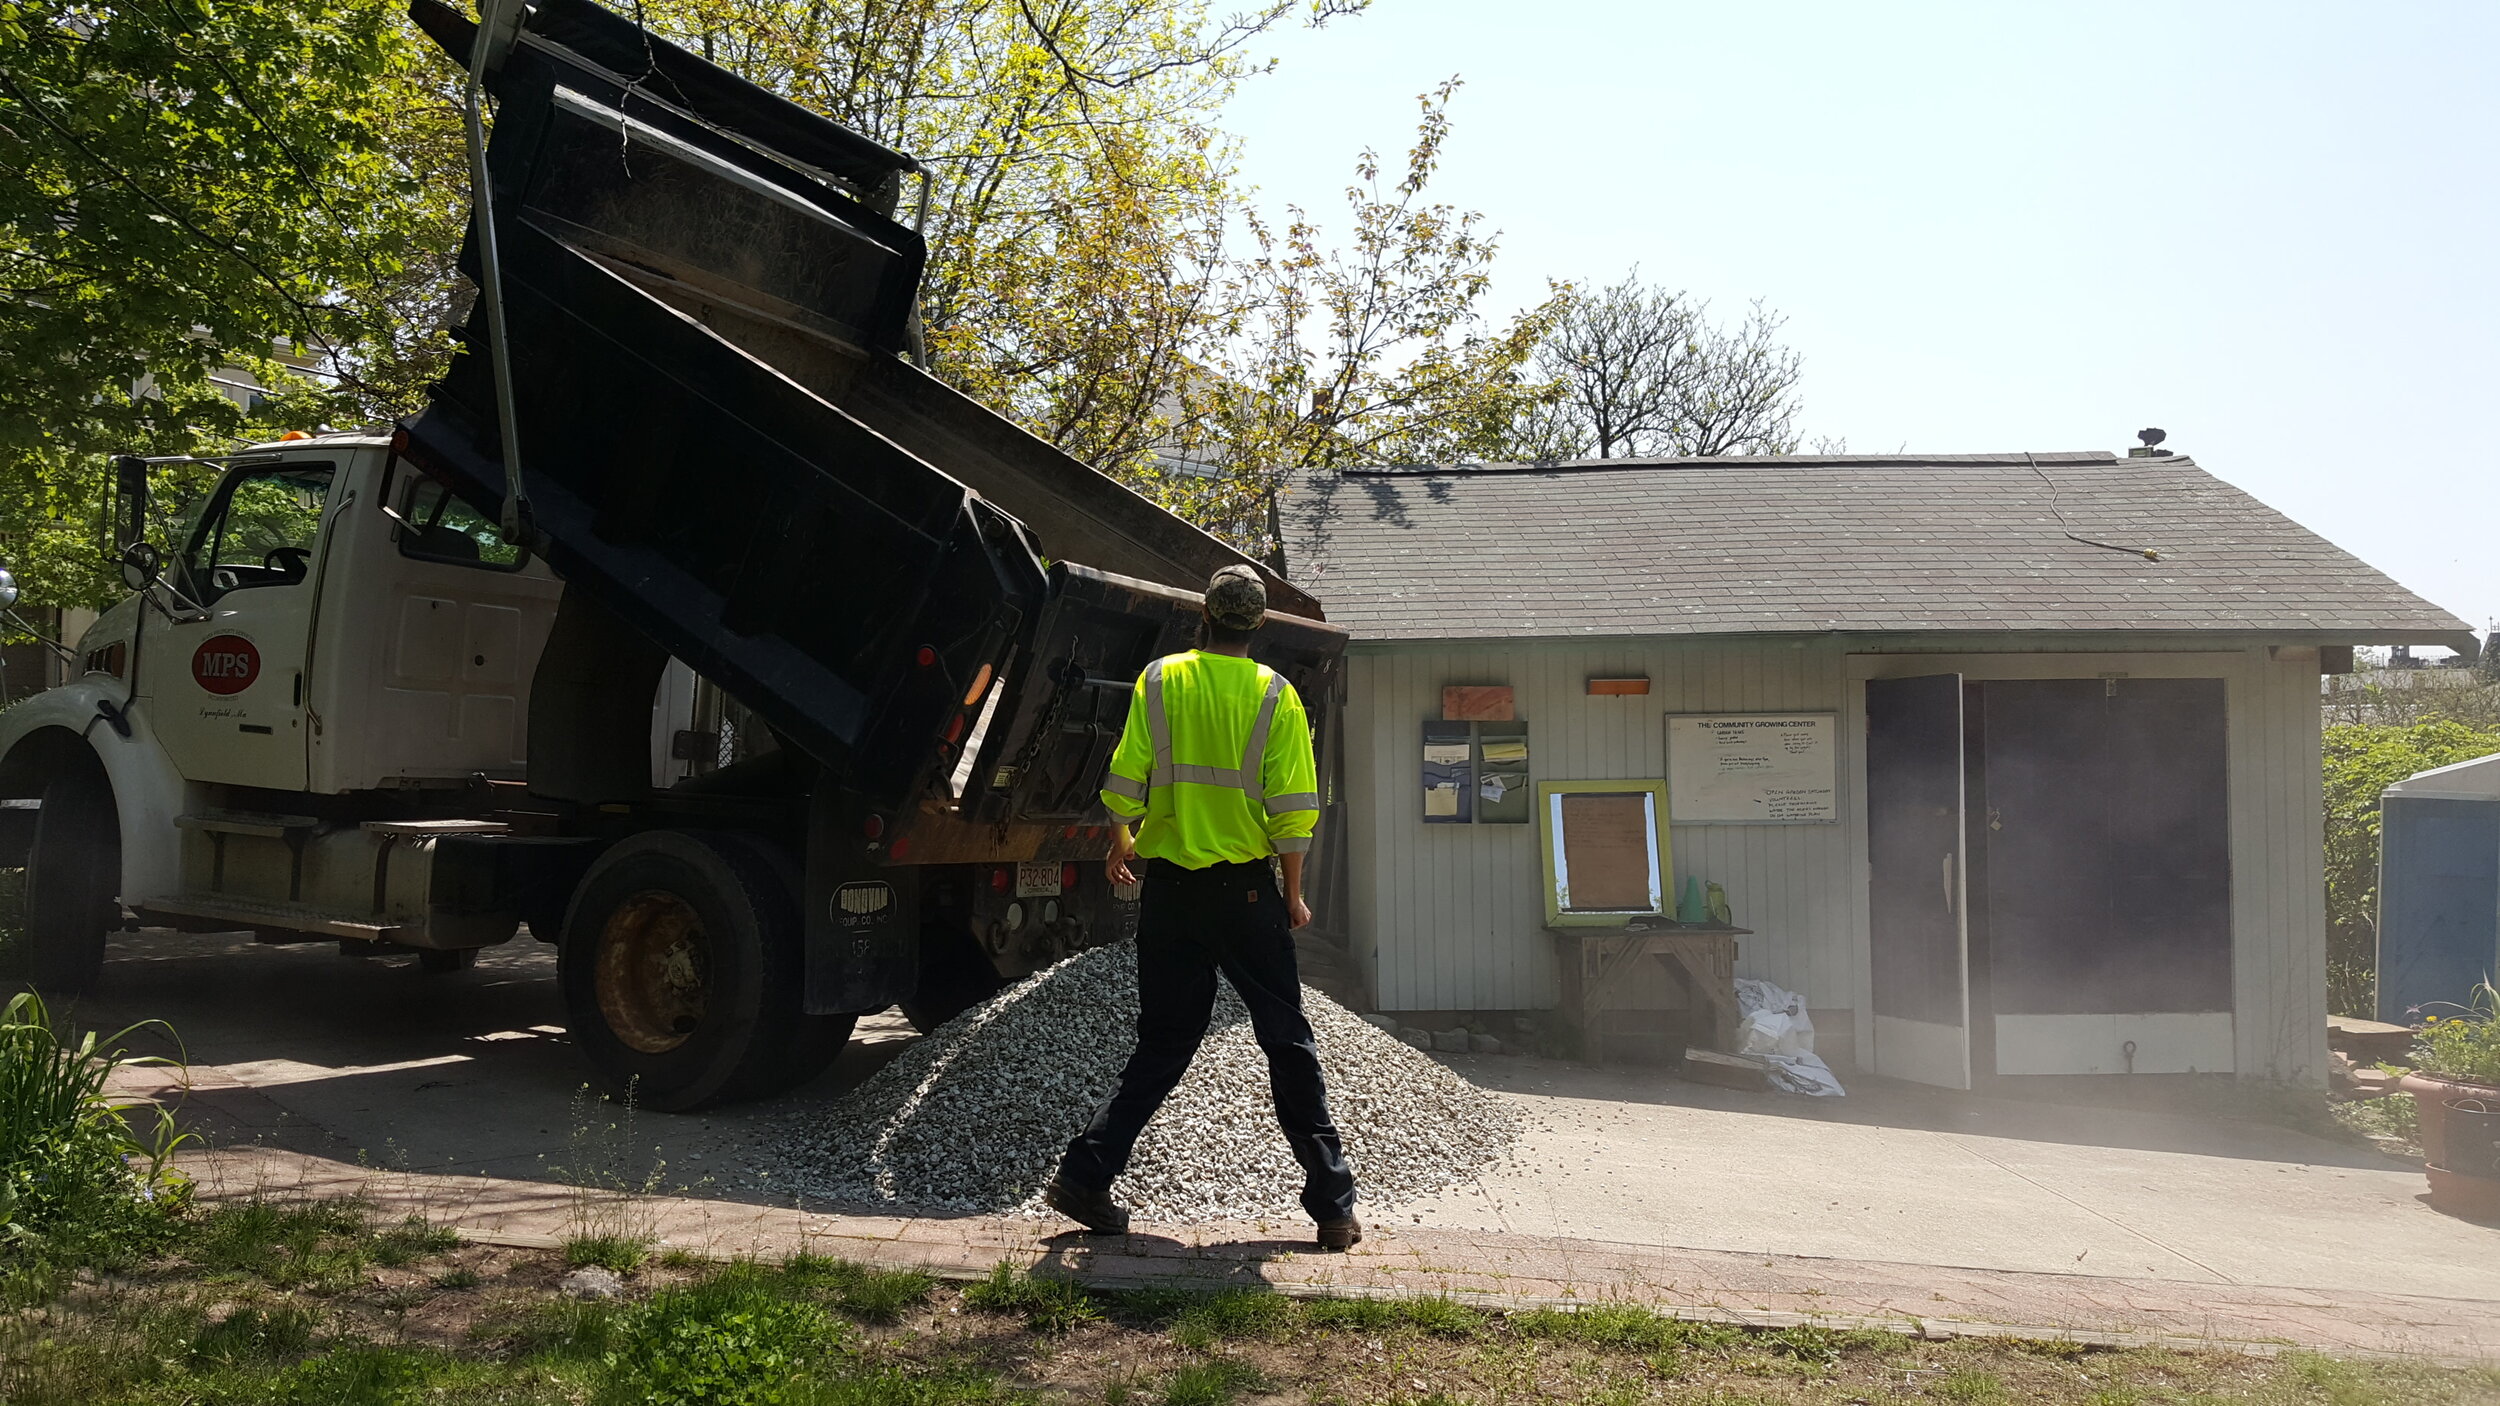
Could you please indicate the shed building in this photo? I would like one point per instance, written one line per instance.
(2439, 890)
(2008, 763)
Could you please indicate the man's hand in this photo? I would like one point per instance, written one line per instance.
(1123, 849)
(1297, 912)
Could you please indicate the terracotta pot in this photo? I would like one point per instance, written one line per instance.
(2468, 1198)
(2431, 1093)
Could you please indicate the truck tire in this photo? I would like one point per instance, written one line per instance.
(955, 976)
(815, 1041)
(73, 881)
(680, 965)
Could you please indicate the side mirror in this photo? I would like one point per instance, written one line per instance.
(8, 589)
(141, 564)
(130, 499)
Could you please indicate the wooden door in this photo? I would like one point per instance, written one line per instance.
(1917, 938)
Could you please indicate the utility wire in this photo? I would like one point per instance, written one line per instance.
(2148, 553)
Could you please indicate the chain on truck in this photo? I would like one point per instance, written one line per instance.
(397, 691)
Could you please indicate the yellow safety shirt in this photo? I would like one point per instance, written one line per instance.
(1216, 759)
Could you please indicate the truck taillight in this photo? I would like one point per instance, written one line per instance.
(1067, 878)
(955, 730)
(927, 656)
(998, 880)
(873, 827)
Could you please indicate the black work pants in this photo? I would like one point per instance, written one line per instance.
(1193, 923)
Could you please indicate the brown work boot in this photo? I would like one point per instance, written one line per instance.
(1341, 1234)
(1094, 1210)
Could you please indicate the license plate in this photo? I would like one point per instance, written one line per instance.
(1037, 880)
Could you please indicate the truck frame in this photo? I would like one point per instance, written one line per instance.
(395, 690)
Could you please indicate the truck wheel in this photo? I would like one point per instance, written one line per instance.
(681, 970)
(955, 976)
(815, 1041)
(73, 881)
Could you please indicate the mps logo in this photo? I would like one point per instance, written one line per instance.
(225, 665)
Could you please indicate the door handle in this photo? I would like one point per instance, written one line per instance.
(1948, 881)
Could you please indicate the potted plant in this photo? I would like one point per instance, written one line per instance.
(2458, 1058)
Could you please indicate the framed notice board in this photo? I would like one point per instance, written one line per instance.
(1476, 773)
(1753, 768)
(1605, 851)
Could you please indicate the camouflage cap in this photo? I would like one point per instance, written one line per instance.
(1237, 598)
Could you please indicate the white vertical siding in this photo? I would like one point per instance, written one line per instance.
(1451, 917)
(1454, 914)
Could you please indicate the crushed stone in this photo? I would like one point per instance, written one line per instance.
(972, 1117)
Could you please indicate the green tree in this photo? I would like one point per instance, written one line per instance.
(1079, 193)
(2362, 760)
(1374, 351)
(196, 187)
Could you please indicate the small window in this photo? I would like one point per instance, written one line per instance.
(440, 527)
(260, 530)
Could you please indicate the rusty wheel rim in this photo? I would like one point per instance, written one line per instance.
(652, 971)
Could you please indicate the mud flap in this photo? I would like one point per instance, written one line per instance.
(863, 920)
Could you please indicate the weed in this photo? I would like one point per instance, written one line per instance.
(1615, 1394)
(952, 1386)
(80, 1171)
(1442, 1318)
(1235, 1313)
(865, 1293)
(1968, 1384)
(1048, 1305)
(678, 1257)
(1210, 1383)
(621, 1253)
(1605, 1325)
(292, 1244)
(1352, 1315)
(1807, 1345)
(411, 1240)
(252, 1334)
(457, 1277)
(729, 1341)
(559, 1330)
(2329, 1381)
(351, 1376)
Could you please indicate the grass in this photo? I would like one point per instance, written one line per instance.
(272, 1302)
(1046, 1305)
(1211, 1383)
(622, 1253)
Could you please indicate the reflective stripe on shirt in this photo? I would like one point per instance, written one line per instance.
(1244, 778)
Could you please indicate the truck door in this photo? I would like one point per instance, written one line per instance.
(225, 693)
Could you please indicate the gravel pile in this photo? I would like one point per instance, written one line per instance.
(973, 1117)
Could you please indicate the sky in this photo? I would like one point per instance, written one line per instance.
(2271, 230)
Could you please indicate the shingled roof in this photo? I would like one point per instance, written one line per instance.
(1817, 543)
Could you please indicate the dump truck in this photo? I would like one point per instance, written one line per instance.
(395, 690)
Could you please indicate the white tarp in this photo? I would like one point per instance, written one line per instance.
(1773, 1027)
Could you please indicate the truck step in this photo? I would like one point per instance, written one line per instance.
(244, 822)
(197, 907)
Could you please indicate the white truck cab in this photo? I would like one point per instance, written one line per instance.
(332, 665)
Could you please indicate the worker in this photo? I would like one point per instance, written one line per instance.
(1215, 769)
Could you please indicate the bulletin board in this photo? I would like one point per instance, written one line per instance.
(1753, 768)
(1605, 851)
